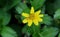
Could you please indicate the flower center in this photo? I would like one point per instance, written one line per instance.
(32, 16)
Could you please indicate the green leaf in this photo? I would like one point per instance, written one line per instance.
(37, 3)
(8, 32)
(19, 10)
(57, 14)
(35, 34)
(56, 4)
(4, 17)
(43, 9)
(49, 32)
(59, 35)
(47, 19)
(26, 29)
(33, 30)
(22, 7)
(36, 30)
(10, 4)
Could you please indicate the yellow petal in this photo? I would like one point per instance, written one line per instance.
(32, 10)
(41, 15)
(25, 14)
(35, 22)
(25, 21)
(37, 12)
(40, 19)
(29, 22)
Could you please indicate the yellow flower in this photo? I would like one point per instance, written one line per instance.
(33, 17)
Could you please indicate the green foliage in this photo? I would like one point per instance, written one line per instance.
(22, 7)
(57, 14)
(36, 35)
(47, 19)
(59, 35)
(49, 32)
(8, 32)
(10, 4)
(4, 17)
(11, 17)
(37, 4)
(34, 30)
(56, 4)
